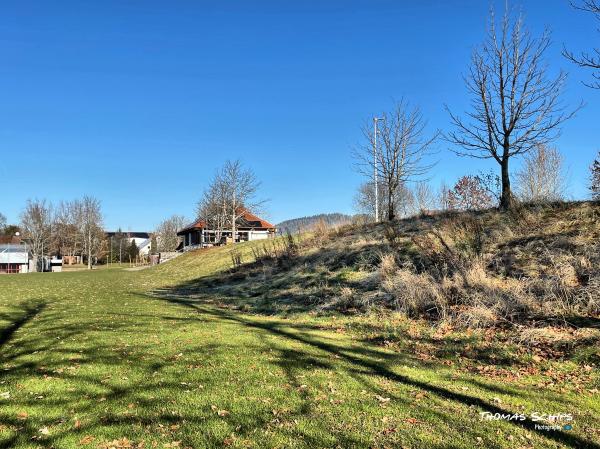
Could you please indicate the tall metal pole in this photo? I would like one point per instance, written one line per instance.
(375, 181)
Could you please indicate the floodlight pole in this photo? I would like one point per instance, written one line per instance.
(375, 181)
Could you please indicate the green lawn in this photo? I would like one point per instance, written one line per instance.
(117, 358)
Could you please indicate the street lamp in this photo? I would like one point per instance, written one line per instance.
(375, 181)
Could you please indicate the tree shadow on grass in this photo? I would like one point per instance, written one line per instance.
(26, 312)
(374, 367)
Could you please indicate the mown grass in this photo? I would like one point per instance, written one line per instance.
(117, 358)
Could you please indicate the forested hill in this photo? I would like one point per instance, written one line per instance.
(305, 223)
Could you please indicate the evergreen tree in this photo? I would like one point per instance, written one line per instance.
(132, 251)
(595, 178)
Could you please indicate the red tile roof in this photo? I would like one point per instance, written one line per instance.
(253, 221)
(246, 220)
(198, 224)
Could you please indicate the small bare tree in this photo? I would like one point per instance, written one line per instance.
(589, 59)
(364, 199)
(595, 178)
(2, 222)
(402, 153)
(166, 233)
(516, 107)
(424, 197)
(36, 224)
(542, 177)
(442, 201)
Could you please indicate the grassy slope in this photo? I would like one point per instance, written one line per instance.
(89, 358)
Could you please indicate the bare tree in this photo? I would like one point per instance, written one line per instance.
(166, 233)
(595, 178)
(590, 59)
(36, 222)
(542, 177)
(442, 197)
(402, 153)
(364, 199)
(424, 197)
(242, 186)
(66, 239)
(2, 222)
(230, 194)
(213, 206)
(516, 106)
(89, 219)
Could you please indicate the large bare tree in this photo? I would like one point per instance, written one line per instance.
(66, 239)
(231, 192)
(36, 224)
(89, 219)
(213, 205)
(242, 186)
(402, 152)
(588, 59)
(515, 104)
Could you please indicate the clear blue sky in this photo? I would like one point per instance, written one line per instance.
(137, 102)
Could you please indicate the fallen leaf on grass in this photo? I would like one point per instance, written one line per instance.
(122, 443)
(22, 415)
(44, 431)
(413, 421)
(172, 444)
(5, 395)
(222, 413)
(86, 440)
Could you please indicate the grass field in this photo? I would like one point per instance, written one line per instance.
(117, 358)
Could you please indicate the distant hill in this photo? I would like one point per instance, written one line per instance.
(304, 223)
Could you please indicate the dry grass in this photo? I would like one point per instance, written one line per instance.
(538, 263)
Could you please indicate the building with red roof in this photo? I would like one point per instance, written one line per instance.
(200, 234)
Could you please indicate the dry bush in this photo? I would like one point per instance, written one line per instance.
(476, 317)
(387, 267)
(416, 294)
(236, 258)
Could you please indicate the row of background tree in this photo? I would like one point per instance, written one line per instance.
(542, 178)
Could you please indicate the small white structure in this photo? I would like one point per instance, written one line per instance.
(56, 265)
(14, 258)
(143, 240)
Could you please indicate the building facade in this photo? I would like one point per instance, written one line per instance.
(249, 227)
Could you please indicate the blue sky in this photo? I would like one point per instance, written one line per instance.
(138, 102)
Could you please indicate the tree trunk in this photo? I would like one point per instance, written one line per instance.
(391, 213)
(89, 261)
(233, 214)
(506, 200)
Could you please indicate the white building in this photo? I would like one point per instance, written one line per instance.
(14, 258)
